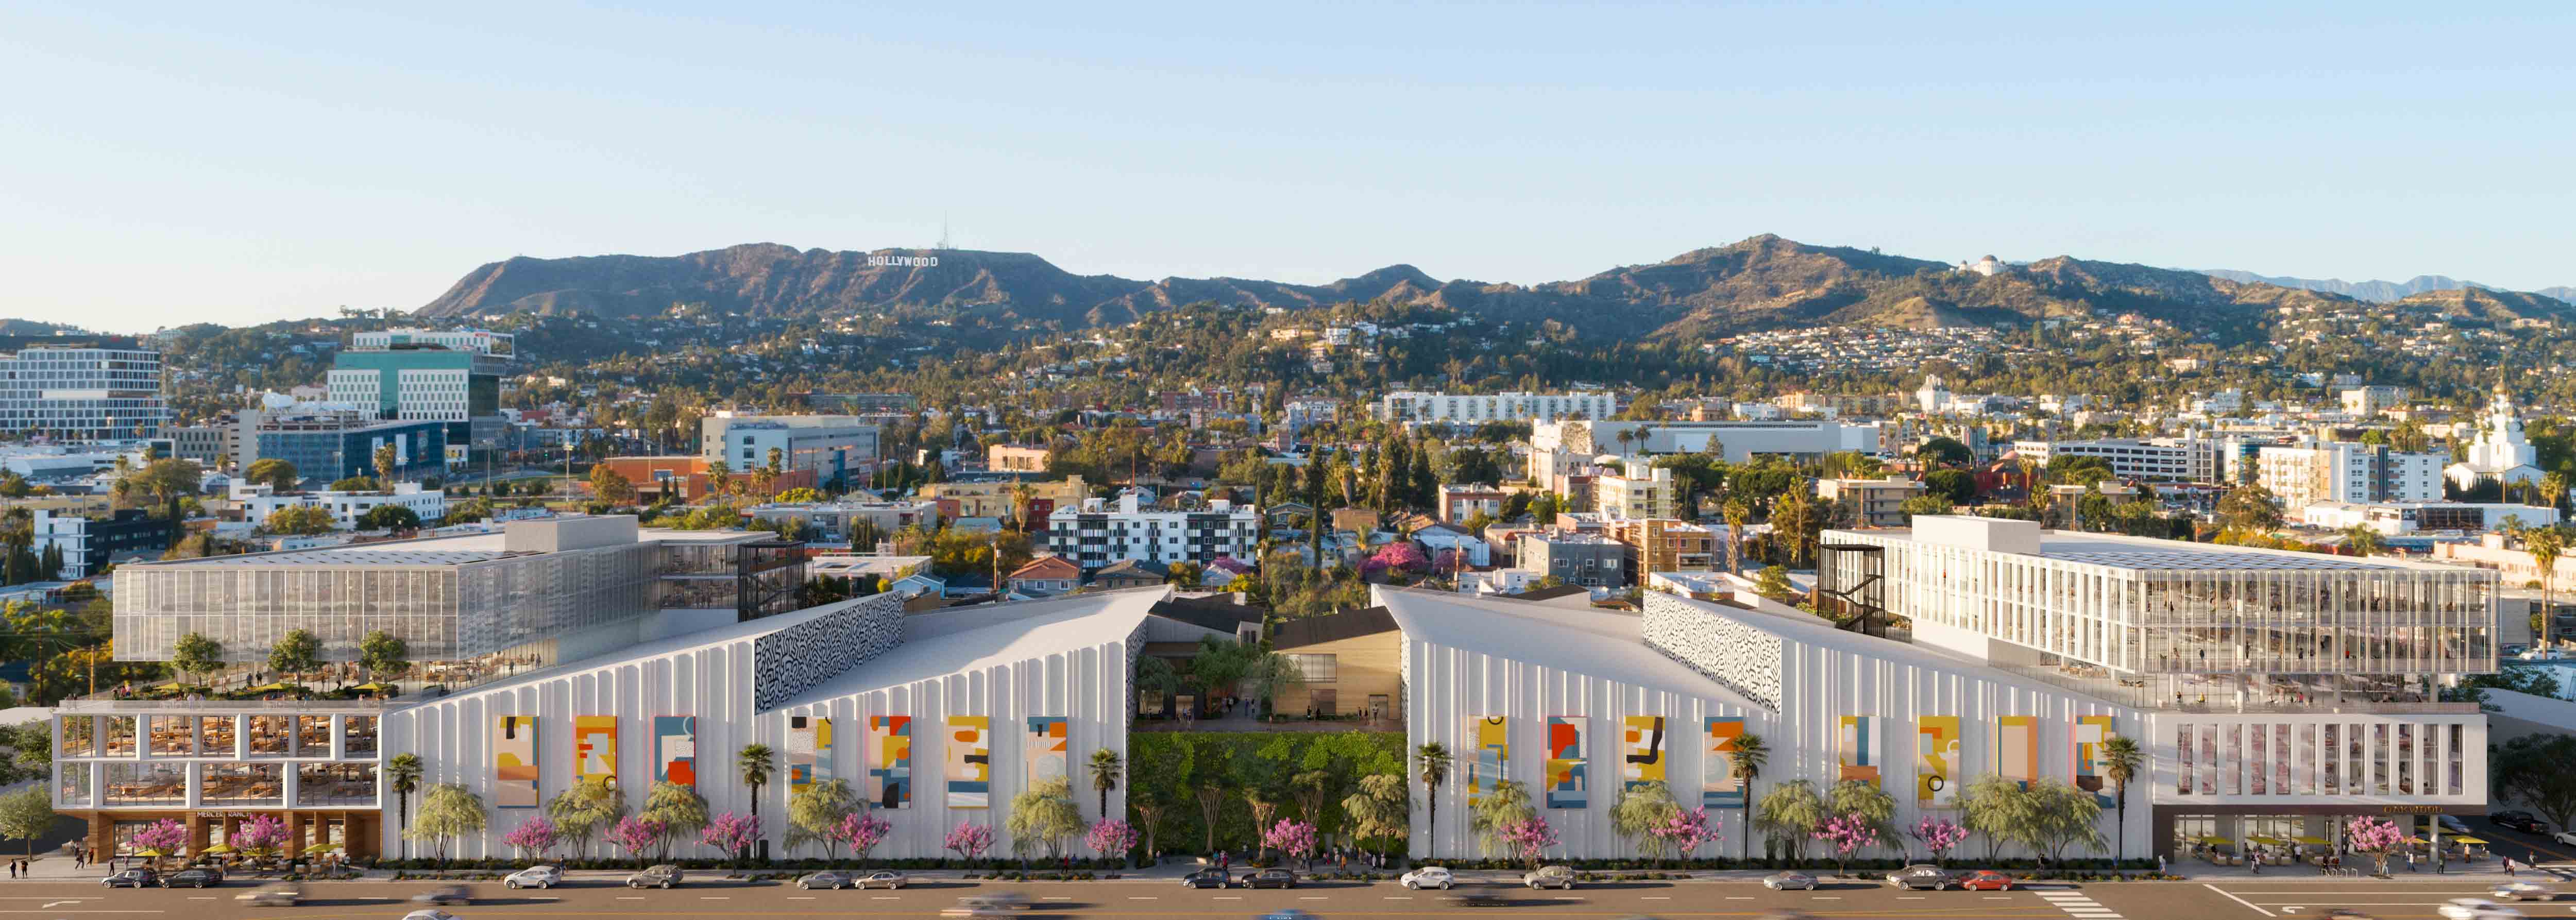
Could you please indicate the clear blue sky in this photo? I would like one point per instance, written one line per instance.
(170, 163)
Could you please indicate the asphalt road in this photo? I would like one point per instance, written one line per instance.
(2250, 898)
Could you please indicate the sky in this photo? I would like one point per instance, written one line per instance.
(163, 164)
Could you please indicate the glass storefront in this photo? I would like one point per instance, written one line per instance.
(239, 783)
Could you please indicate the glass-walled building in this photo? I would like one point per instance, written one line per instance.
(213, 765)
(2279, 693)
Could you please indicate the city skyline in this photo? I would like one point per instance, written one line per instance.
(269, 165)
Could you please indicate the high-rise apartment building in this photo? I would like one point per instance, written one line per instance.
(2345, 471)
(450, 376)
(1411, 406)
(1096, 533)
(80, 389)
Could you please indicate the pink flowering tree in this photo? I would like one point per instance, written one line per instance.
(533, 837)
(730, 832)
(1847, 834)
(1684, 831)
(861, 832)
(164, 837)
(638, 836)
(969, 841)
(1939, 835)
(2375, 837)
(1529, 837)
(261, 834)
(1401, 556)
(1292, 837)
(1448, 562)
(1112, 837)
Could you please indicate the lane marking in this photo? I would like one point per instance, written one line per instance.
(1057, 897)
(2249, 905)
(1229, 897)
(1654, 897)
(630, 897)
(715, 897)
(1310, 897)
(1142, 897)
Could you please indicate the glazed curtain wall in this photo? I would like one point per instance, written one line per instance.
(2382, 620)
(248, 608)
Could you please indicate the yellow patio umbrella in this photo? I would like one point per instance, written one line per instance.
(2268, 841)
(373, 687)
(2311, 841)
(2216, 841)
(150, 854)
(2469, 840)
(268, 688)
(322, 848)
(171, 687)
(220, 849)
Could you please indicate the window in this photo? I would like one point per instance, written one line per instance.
(1317, 669)
(244, 784)
(172, 735)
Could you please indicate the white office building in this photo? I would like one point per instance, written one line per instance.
(830, 445)
(257, 501)
(81, 390)
(1557, 447)
(2183, 459)
(1414, 406)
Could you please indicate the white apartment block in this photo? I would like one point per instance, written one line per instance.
(1098, 533)
(1413, 406)
(478, 341)
(2185, 459)
(2363, 402)
(103, 391)
(420, 394)
(257, 502)
(2345, 471)
(1637, 491)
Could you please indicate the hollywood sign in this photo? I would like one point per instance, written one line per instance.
(903, 261)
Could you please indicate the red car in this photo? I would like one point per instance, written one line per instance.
(1986, 881)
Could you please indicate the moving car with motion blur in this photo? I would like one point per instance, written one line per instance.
(1784, 881)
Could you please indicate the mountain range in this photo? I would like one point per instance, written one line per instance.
(2377, 291)
(1759, 283)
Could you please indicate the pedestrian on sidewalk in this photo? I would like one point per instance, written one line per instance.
(2255, 860)
(2410, 861)
(2508, 867)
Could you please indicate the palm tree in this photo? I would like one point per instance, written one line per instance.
(756, 763)
(2122, 757)
(2029, 480)
(1435, 760)
(1023, 502)
(2553, 486)
(1751, 754)
(404, 773)
(2544, 544)
(1736, 513)
(1106, 768)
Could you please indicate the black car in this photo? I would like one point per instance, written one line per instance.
(1207, 878)
(131, 878)
(1271, 878)
(2519, 821)
(197, 877)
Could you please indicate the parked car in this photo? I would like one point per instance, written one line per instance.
(2523, 891)
(131, 878)
(274, 894)
(2565, 837)
(2519, 821)
(445, 894)
(193, 877)
(1479, 896)
(1270, 878)
(888, 880)
(661, 876)
(1207, 878)
(824, 879)
(2476, 909)
(1783, 881)
(1921, 876)
(1550, 877)
(534, 877)
(1428, 877)
(1986, 880)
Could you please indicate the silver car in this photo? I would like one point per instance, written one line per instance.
(824, 879)
(1783, 881)
(887, 880)
(1921, 876)
(534, 877)
(1551, 877)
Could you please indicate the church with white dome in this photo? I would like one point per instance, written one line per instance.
(2501, 454)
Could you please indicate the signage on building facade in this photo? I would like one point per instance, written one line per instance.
(2410, 809)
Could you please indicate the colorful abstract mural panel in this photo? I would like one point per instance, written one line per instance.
(2017, 749)
(889, 755)
(1718, 787)
(1050, 746)
(1858, 749)
(1568, 785)
(2093, 764)
(1641, 750)
(594, 748)
(1936, 761)
(675, 750)
(809, 750)
(969, 761)
(514, 762)
(1489, 754)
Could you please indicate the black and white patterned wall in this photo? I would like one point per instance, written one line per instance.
(1736, 656)
(793, 660)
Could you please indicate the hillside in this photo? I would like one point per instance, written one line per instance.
(2480, 304)
(1760, 283)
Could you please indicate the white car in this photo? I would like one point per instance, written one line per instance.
(534, 877)
(2476, 909)
(2523, 891)
(430, 915)
(2565, 837)
(1429, 877)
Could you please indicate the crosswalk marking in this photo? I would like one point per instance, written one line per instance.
(2079, 905)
